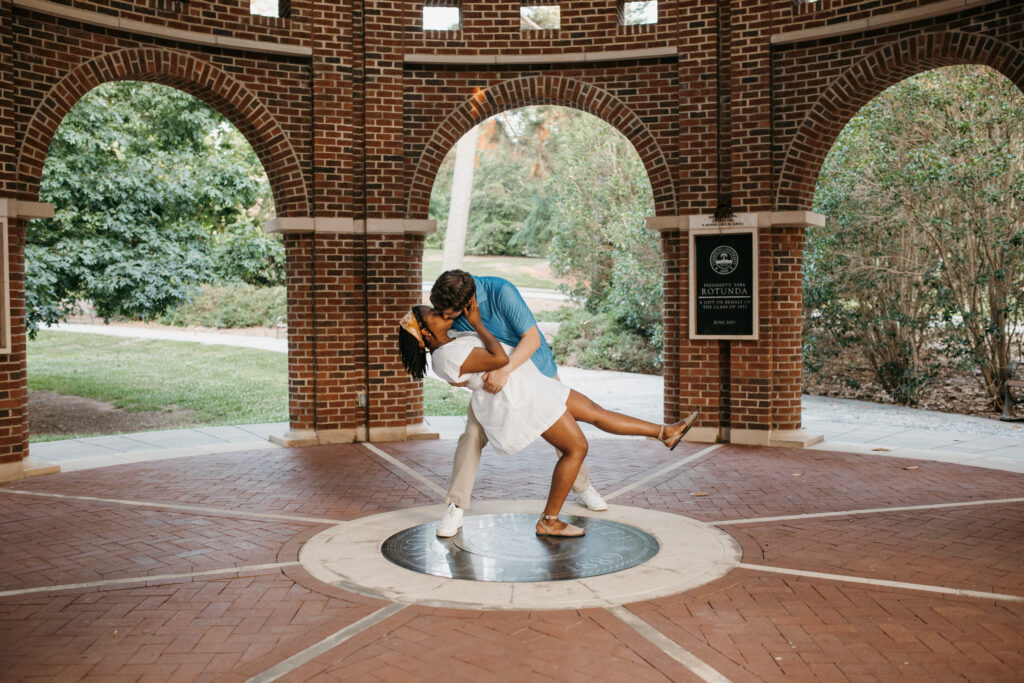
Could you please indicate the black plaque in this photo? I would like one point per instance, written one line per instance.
(507, 548)
(724, 285)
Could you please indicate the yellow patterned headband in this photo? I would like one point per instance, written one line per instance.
(412, 326)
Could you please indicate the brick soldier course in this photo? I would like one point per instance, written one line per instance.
(351, 108)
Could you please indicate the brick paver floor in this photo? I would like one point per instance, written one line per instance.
(187, 570)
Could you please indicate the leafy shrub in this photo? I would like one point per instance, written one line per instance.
(924, 249)
(231, 306)
(247, 255)
(601, 342)
(143, 178)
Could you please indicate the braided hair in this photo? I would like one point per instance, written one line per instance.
(412, 350)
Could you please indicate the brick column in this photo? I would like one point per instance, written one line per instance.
(748, 390)
(748, 60)
(394, 242)
(771, 389)
(299, 289)
(692, 367)
(335, 395)
(14, 462)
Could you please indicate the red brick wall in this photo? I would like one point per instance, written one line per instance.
(797, 15)
(336, 112)
(492, 26)
(355, 131)
(397, 261)
(700, 160)
(13, 389)
(820, 85)
(267, 100)
(692, 368)
(213, 17)
(301, 336)
(787, 252)
(639, 99)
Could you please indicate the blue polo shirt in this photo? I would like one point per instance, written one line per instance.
(507, 316)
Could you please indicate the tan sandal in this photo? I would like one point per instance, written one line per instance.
(688, 423)
(568, 531)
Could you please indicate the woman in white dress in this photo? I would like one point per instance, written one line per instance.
(529, 405)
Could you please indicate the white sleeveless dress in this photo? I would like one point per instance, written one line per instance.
(528, 404)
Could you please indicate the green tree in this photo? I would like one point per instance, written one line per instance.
(599, 198)
(557, 182)
(924, 190)
(146, 181)
(506, 190)
(866, 273)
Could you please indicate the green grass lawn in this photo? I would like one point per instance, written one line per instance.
(221, 385)
(440, 398)
(520, 271)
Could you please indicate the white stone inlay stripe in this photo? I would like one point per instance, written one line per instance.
(663, 471)
(883, 582)
(198, 509)
(866, 511)
(146, 579)
(334, 640)
(668, 646)
(405, 468)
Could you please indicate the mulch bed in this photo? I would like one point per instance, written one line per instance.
(953, 391)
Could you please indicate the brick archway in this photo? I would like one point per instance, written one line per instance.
(196, 77)
(537, 90)
(863, 81)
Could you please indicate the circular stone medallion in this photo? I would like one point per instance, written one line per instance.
(349, 556)
(506, 548)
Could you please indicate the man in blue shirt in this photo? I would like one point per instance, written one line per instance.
(507, 316)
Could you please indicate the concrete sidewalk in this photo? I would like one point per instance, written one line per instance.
(848, 426)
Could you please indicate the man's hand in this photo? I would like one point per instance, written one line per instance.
(495, 380)
(472, 313)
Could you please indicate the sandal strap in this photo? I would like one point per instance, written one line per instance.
(549, 516)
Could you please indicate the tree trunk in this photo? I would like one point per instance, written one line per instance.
(462, 189)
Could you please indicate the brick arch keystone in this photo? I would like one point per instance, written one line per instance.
(864, 80)
(184, 72)
(534, 90)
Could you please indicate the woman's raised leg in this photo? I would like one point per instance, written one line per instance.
(567, 437)
(585, 410)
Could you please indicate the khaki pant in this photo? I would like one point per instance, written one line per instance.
(467, 461)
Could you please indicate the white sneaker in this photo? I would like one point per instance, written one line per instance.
(592, 499)
(451, 522)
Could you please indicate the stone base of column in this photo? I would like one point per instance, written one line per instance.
(13, 471)
(295, 438)
(791, 438)
(702, 435)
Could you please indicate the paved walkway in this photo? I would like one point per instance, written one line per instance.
(849, 426)
(883, 565)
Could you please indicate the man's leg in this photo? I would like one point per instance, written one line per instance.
(466, 462)
(592, 499)
(582, 482)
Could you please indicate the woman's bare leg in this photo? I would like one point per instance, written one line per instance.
(567, 437)
(585, 410)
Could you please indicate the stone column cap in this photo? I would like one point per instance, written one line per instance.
(761, 219)
(19, 208)
(341, 225)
